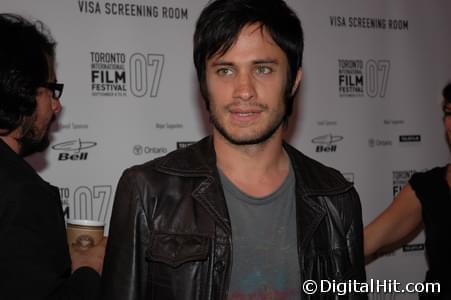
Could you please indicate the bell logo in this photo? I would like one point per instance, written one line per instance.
(326, 143)
(71, 150)
(76, 156)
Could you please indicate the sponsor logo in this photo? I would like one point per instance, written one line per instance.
(87, 202)
(327, 142)
(72, 125)
(168, 126)
(133, 10)
(356, 22)
(138, 150)
(72, 149)
(181, 145)
(393, 122)
(144, 149)
(413, 247)
(327, 123)
(117, 74)
(410, 138)
(358, 78)
(372, 143)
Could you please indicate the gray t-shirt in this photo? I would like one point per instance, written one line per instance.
(265, 258)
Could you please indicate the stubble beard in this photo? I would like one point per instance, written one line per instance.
(258, 138)
(32, 142)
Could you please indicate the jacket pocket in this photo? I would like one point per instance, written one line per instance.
(176, 249)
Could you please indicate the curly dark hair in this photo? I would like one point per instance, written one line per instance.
(25, 53)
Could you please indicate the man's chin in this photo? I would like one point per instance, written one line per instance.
(246, 140)
(30, 146)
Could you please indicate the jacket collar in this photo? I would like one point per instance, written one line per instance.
(312, 179)
(199, 159)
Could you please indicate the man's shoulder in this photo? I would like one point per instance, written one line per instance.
(432, 175)
(15, 170)
(314, 175)
(430, 181)
(22, 189)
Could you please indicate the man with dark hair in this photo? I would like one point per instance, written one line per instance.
(240, 214)
(35, 261)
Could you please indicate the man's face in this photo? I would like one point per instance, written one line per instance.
(246, 88)
(36, 136)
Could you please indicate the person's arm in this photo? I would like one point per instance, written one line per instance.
(398, 220)
(34, 256)
(124, 275)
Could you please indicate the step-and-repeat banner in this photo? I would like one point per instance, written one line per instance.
(369, 103)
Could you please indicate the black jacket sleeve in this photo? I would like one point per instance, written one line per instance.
(34, 256)
(124, 275)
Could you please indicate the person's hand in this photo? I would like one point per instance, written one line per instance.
(88, 257)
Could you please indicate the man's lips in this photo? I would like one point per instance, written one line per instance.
(245, 115)
(245, 111)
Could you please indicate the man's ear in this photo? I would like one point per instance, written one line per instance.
(297, 81)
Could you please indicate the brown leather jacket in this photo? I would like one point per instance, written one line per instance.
(170, 235)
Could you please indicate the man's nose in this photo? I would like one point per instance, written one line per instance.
(56, 105)
(244, 87)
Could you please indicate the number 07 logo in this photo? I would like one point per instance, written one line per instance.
(145, 74)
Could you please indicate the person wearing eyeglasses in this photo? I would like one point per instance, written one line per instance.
(424, 201)
(35, 260)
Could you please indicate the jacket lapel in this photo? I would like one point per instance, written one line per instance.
(201, 162)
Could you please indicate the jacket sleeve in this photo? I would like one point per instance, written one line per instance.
(354, 238)
(125, 270)
(34, 257)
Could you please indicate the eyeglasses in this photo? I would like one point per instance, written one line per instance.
(55, 88)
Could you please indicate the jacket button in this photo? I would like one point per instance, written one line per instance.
(219, 266)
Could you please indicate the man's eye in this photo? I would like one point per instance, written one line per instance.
(447, 113)
(263, 70)
(224, 72)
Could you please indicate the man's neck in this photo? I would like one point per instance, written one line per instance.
(12, 142)
(258, 169)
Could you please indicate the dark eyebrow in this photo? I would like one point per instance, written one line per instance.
(255, 62)
(265, 61)
(222, 63)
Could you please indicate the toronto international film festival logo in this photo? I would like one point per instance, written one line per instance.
(116, 75)
(357, 78)
(87, 202)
